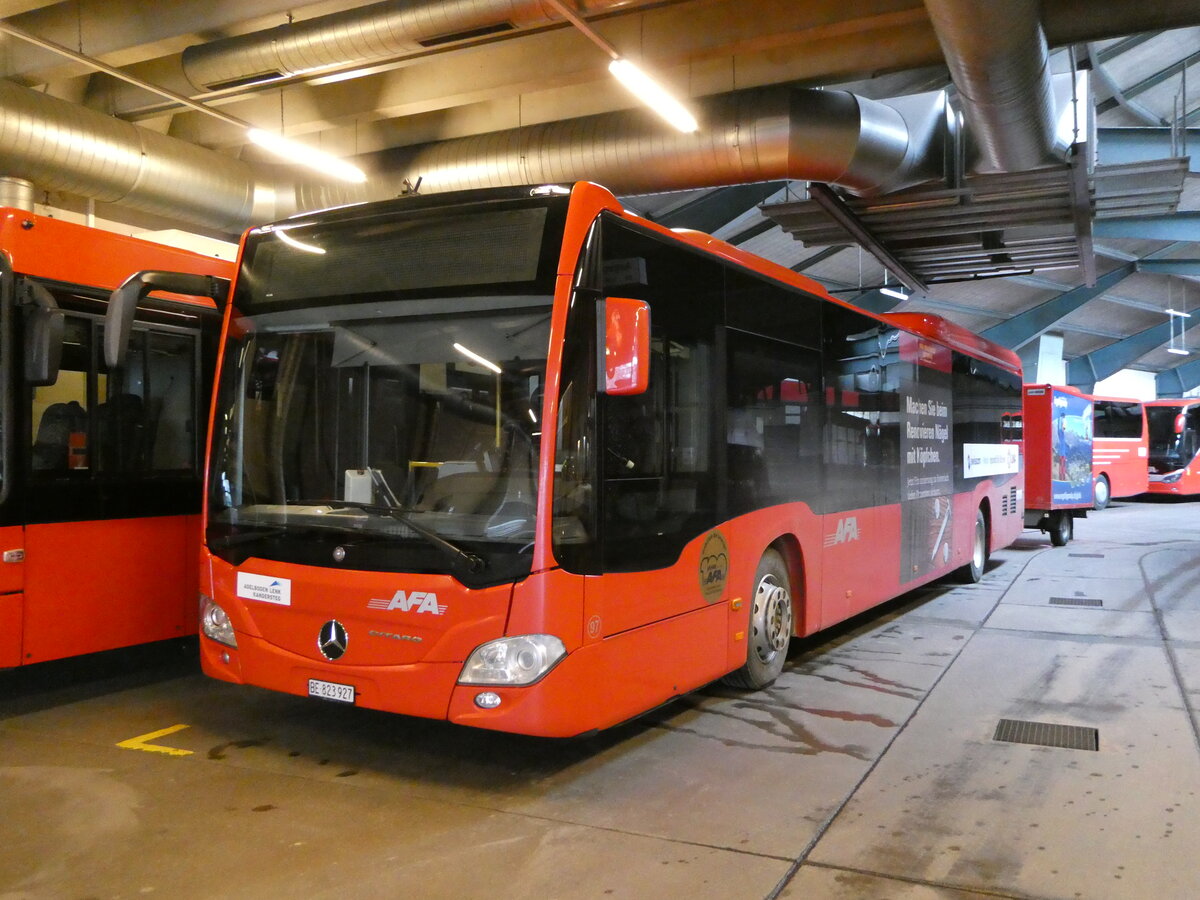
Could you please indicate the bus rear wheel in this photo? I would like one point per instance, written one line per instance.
(1062, 528)
(770, 626)
(1101, 493)
(972, 572)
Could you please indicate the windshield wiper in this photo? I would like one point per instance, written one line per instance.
(470, 560)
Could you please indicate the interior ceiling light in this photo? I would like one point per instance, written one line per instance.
(472, 355)
(306, 156)
(892, 292)
(280, 146)
(637, 82)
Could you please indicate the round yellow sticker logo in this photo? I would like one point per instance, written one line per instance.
(714, 567)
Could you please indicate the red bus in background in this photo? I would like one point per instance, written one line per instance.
(1174, 427)
(522, 460)
(1120, 449)
(100, 477)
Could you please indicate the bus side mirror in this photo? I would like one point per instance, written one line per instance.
(1179, 423)
(625, 335)
(123, 303)
(44, 326)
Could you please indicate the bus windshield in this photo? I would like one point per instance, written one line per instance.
(376, 410)
(1172, 447)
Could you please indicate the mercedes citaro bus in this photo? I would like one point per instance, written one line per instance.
(523, 460)
(100, 468)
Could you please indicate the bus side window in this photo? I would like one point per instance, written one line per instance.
(146, 420)
(773, 425)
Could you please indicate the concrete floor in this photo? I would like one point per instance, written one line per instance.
(869, 770)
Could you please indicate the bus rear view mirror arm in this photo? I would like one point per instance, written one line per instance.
(124, 301)
(623, 326)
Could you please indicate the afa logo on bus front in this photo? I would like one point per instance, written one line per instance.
(264, 588)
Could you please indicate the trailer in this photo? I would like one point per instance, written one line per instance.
(1058, 430)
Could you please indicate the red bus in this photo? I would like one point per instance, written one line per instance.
(100, 471)
(521, 460)
(1120, 450)
(1174, 427)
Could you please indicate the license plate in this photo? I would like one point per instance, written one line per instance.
(328, 690)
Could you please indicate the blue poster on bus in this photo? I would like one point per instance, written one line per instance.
(1071, 450)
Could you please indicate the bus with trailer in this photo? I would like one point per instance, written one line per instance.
(522, 460)
(1174, 426)
(1120, 450)
(100, 470)
(1057, 429)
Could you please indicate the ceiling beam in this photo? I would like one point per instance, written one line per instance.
(1180, 226)
(719, 207)
(1117, 146)
(1084, 371)
(1018, 331)
(1178, 381)
(1170, 266)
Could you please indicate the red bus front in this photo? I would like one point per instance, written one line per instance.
(1174, 428)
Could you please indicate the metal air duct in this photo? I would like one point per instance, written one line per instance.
(866, 146)
(367, 34)
(62, 146)
(863, 145)
(16, 193)
(1000, 63)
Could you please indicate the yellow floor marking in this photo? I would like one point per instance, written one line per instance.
(141, 742)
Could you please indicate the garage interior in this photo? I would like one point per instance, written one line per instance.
(1025, 170)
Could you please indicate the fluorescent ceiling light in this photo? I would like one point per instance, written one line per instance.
(652, 94)
(892, 292)
(306, 156)
(1182, 315)
(471, 354)
(1177, 351)
(282, 234)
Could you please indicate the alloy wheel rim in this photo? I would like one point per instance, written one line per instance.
(772, 619)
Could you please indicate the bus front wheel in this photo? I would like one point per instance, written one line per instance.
(770, 626)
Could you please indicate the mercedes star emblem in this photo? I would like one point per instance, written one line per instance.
(332, 639)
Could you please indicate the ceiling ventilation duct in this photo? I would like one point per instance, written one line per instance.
(367, 34)
(998, 58)
(64, 147)
(866, 146)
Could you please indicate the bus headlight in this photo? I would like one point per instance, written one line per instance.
(1173, 477)
(215, 624)
(513, 660)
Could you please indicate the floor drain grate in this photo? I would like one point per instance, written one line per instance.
(1076, 601)
(1087, 555)
(1047, 734)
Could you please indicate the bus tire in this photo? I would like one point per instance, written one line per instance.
(972, 572)
(769, 630)
(1101, 492)
(1062, 529)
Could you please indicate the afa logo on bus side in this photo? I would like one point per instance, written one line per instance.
(714, 567)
